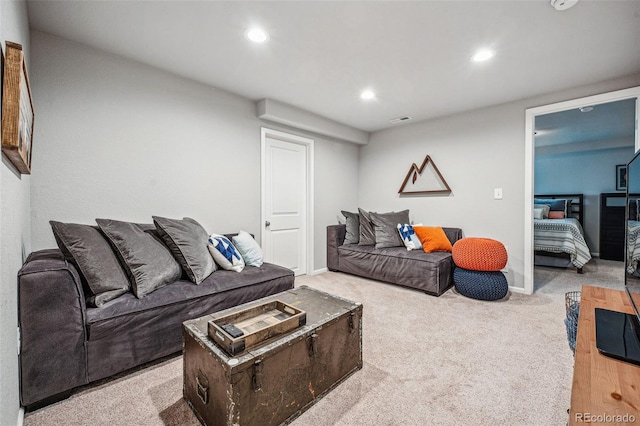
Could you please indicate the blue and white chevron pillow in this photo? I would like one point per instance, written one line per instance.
(409, 237)
(224, 253)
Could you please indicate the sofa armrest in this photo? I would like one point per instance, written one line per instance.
(454, 234)
(51, 317)
(335, 238)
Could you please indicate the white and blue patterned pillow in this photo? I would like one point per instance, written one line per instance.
(409, 237)
(224, 253)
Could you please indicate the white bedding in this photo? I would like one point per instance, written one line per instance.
(561, 236)
(633, 246)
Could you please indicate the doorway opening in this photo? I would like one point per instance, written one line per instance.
(530, 127)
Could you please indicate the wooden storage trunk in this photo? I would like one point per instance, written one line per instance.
(276, 381)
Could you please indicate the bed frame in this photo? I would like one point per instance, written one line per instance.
(576, 210)
(633, 212)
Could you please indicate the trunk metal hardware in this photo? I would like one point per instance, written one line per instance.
(313, 345)
(202, 389)
(352, 322)
(257, 375)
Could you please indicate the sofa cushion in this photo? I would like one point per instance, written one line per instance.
(147, 260)
(100, 321)
(385, 228)
(433, 239)
(429, 272)
(134, 331)
(367, 234)
(225, 253)
(86, 248)
(409, 237)
(248, 248)
(187, 240)
(352, 220)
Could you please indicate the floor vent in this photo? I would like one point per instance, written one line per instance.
(399, 119)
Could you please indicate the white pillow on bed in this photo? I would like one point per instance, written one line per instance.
(544, 211)
(538, 212)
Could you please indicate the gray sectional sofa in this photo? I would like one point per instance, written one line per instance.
(428, 272)
(66, 343)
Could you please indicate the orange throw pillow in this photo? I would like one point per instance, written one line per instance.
(433, 238)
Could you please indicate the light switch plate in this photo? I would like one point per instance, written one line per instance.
(497, 193)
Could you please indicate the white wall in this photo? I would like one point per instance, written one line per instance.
(336, 188)
(15, 232)
(476, 151)
(122, 140)
(583, 172)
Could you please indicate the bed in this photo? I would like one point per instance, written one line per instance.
(633, 247)
(559, 242)
(633, 236)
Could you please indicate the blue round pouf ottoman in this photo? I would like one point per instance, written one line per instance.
(481, 285)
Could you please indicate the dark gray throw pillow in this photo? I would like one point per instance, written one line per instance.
(147, 261)
(385, 227)
(187, 240)
(86, 248)
(367, 236)
(353, 227)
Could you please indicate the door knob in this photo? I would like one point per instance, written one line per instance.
(267, 223)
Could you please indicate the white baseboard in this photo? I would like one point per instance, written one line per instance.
(20, 416)
(319, 271)
(517, 290)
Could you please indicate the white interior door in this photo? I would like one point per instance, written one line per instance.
(285, 204)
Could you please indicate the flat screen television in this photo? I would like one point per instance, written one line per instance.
(617, 333)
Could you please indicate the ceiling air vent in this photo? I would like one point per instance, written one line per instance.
(563, 4)
(399, 119)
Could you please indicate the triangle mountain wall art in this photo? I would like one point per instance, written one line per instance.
(425, 179)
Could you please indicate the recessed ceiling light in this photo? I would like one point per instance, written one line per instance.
(367, 95)
(586, 109)
(257, 35)
(482, 55)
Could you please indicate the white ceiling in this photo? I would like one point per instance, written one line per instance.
(321, 55)
(611, 124)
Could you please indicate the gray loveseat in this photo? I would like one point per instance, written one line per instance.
(66, 344)
(429, 272)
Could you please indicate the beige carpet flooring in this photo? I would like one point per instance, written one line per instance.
(428, 360)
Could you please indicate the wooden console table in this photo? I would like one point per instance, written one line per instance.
(602, 386)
